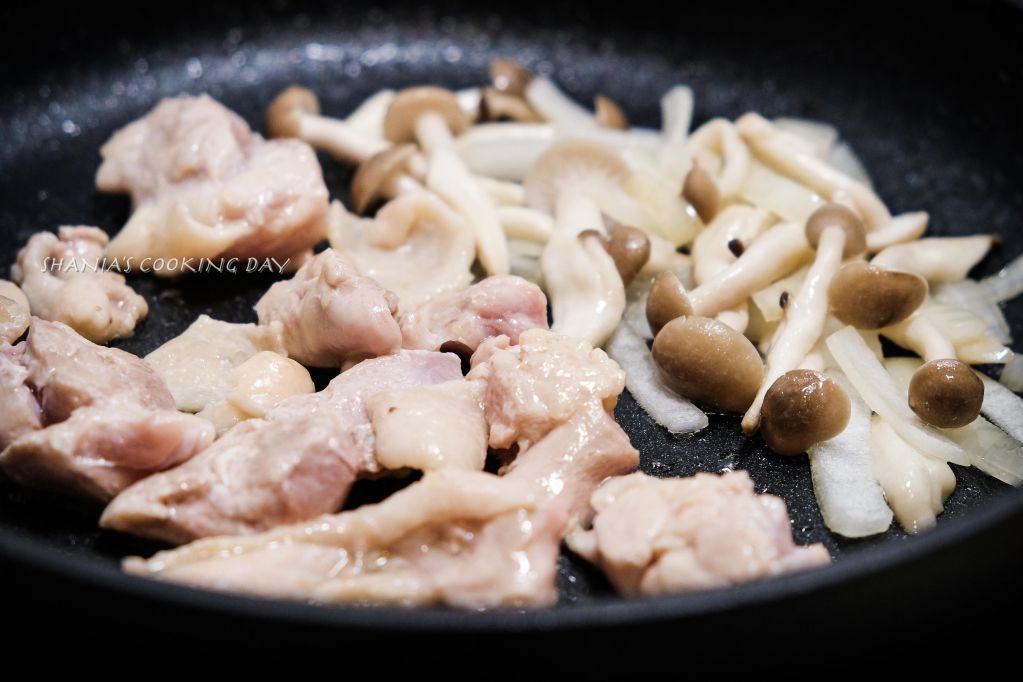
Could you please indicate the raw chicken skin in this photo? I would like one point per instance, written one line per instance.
(465, 539)
(205, 186)
(441, 426)
(500, 305)
(331, 314)
(297, 463)
(540, 383)
(15, 313)
(197, 363)
(64, 279)
(661, 535)
(86, 419)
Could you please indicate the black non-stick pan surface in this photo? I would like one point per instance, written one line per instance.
(929, 98)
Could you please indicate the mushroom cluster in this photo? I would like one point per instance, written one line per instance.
(745, 266)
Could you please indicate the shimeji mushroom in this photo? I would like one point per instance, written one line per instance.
(937, 259)
(416, 246)
(609, 114)
(502, 106)
(665, 301)
(383, 174)
(708, 362)
(778, 251)
(295, 112)
(715, 138)
(837, 233)
(368, 117)
(432, 116)
(946, 393)
(585, 289)
(505, 151)
(871, 297)
(801, 408)
(919, 334)
(509, 76)
(702, 193)
(901, 228)
(779, 150)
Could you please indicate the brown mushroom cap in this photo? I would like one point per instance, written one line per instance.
(375, 171)
(666, 301)
(609, 114)
(496, 105)
(572, 164)
(870, 297)
(837, 215)
(702, 193)
(509, 76)
(629, 248)
(946, 393)
(802, 407)
(709, 362)
(283, 116)
(409, 104)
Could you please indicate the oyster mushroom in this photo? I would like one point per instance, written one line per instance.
(295, 112)
(870, 297)
(777, 149)
(708, 362)
(946, 393)
(802, 408)
(415, 246)
(837, 233)
(585, 289)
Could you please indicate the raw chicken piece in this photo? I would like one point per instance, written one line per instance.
(331, 314)
(441, 426)
(540, 383)
(298, 462)
(14, 312)
(204, 185)
(460, 538)
(660, 535)
(197, 364)
(259, 384)
(85, 418)
(64, 279)
(100, 450)
(507, 305)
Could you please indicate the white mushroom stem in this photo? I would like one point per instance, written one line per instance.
(719, 137)
(433, 132)
(778, 150)
(937, 259)
(339, 139)
(449, 178)
(552, 104)
(902, 228)
(804, 321)
(737, 318)
(503, 192)
(711, 252)
(676, 116)
(918, 334)
(505, 151)
(574, 211)
(585, 290)
(778, 252)
(368, 117)
(525, 224)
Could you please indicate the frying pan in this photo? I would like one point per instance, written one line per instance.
(930, 101)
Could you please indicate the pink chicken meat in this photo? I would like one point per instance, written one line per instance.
(297, 463)
(87, 419)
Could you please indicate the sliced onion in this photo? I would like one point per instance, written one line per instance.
(1003, 407)
(644, 382)
(971, 295)
(1006, 283)
(969, 333)
(505, 151)
(783, 196)
(1012, 375)
(849, 496)
(878, 390)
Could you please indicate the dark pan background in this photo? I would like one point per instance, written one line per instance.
(929, 97)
